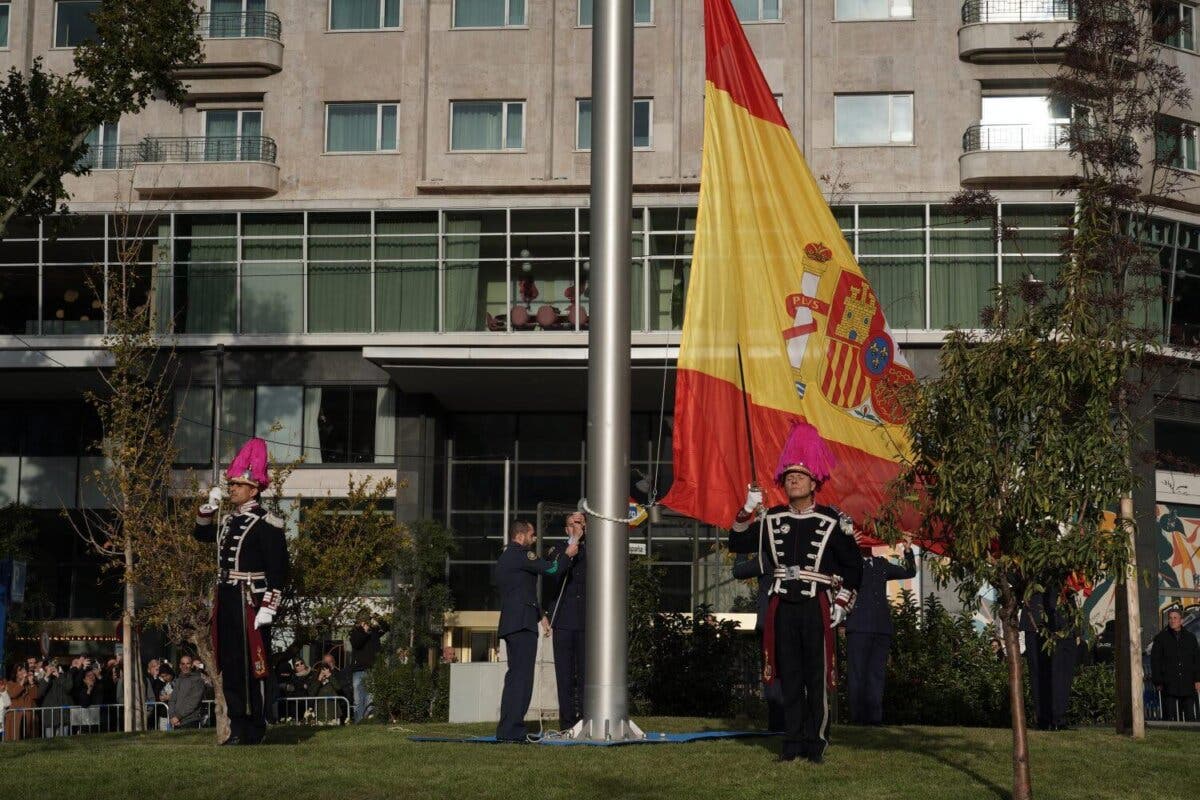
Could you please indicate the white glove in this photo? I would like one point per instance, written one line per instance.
(754, 499)
(215, 495)
(837, 615)
(264, 617)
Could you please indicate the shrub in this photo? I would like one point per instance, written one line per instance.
(1093, 696)
(409, 692)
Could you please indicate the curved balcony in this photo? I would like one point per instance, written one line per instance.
(239, 44)
(1017, 156)
(991, 29)
(206, 167)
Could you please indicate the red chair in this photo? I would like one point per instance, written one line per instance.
(577, 315)
(495, 323)
(547, 317)
(520, 318)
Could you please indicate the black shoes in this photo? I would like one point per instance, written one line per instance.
(232, 741)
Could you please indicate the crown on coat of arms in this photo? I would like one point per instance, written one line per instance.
(818, 252)
(860, 310)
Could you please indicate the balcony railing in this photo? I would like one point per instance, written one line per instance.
(187, 149)
(1017, 10)
(1049, 136)
(240, 25)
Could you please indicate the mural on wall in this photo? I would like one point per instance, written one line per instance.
(1178, 566)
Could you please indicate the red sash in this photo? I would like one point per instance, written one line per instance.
(254, 641)
(770, 673)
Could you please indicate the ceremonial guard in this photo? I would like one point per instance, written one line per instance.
(810, 554)
(569, 623)
(869, 633)
(517, 571)
(251, 570)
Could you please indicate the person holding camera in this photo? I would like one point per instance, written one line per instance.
(365, 642)
(22, 694)
(325, 686)
(54, 696)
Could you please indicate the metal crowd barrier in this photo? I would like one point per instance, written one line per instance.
(49, 722)
(1171, 710)
(314, 710)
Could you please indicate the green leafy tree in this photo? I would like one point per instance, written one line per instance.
(341, 545)
(422, 598)
(45, 118)
(1028, 433)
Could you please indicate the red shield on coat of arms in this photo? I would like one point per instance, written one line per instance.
(857, 342)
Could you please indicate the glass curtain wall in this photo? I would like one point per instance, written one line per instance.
(512, 269)
(328, 425)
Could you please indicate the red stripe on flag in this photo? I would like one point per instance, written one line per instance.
(730, 64)
(710, 452)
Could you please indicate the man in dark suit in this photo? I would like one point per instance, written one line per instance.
(517, 571)
(569, 623)
(869, 633)
(1050, 674)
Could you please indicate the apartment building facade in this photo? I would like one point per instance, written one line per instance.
(379, 209)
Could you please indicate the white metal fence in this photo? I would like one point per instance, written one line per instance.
(48, 722)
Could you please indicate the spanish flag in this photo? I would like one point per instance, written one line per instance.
(772, 273)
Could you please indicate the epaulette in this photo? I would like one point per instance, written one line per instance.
(271, 519)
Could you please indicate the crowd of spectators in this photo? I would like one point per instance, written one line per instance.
(50, 697)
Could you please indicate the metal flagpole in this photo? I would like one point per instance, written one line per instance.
(606, 705)
(218, 387)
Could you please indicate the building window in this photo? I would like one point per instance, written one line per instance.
(361, 127)
(103, 148)
(847, 10)
(1021, 122)
(365, 15)
(872, 119)
(1176, 144)
(643, 12)
(1174, 24)
(487, 125)
(233, 135)
(73, 23)
(757, 10)
(489, 13)
(234, 19)
(344, 425)
(4, 9)
(643, 115)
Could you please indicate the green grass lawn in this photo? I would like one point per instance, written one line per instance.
(378, 761)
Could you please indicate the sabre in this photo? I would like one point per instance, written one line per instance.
(746, 413)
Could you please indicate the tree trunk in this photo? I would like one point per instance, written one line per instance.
(203, 645)
(134, 712)
(1022, 785)
(1131, 712)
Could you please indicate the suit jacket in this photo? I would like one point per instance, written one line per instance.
(570, 594)
(872, 612)
(517, 571)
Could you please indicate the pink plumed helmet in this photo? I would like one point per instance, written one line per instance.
(805, 451)
(250, 465)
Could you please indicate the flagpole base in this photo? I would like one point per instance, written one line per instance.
(624, 730)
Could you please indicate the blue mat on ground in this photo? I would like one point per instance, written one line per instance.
(651, 738)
